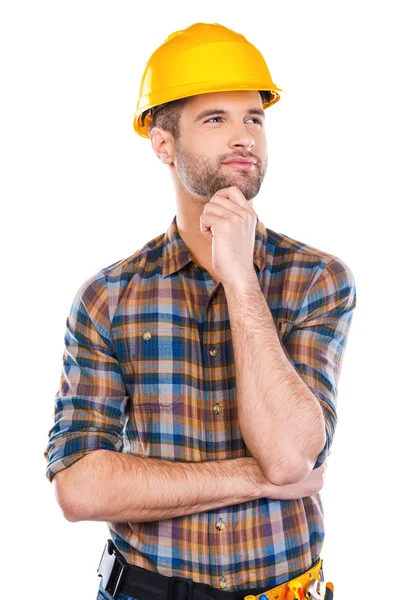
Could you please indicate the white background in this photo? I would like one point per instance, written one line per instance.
(80, 190)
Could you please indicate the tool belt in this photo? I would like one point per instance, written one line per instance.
(120, 576)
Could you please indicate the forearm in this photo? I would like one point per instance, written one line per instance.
(280, 419)
(115, 487)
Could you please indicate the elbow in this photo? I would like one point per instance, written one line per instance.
(72, 514)
(61, 495)
(72, 517)
(288, 476)
(294, 467)
(71, 510)
(284, 478)
(298, 469)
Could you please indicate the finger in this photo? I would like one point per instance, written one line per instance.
(233, 193)
(207, 221)
(236, 195)
(219, 200)
(224, 208)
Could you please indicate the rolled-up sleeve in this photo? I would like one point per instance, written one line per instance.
(89, 408)
(318, 338)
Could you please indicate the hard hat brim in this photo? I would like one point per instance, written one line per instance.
(185, 91)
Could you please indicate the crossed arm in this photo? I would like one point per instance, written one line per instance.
(93, 480)
(115, 487)
(287, 396)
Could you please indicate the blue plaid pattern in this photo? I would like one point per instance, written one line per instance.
(138, 377)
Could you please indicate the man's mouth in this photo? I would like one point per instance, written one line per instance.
(242, 165)
(241, 162)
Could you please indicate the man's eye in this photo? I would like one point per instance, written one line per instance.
(252, 119)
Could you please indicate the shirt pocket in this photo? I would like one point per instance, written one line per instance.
(151, 359)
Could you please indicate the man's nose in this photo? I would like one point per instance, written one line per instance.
(240, 136)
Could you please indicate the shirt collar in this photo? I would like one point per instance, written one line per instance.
(176, 254)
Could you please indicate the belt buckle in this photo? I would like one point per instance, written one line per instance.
(112, 568)
(172, 587)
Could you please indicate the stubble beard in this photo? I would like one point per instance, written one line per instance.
(204, 178)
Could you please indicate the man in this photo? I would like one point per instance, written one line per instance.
(197, 403)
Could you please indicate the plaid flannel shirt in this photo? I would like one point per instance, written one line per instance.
(149, 355)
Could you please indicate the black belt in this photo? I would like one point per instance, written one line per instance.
(120, 576)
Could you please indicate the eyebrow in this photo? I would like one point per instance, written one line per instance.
(219, 111)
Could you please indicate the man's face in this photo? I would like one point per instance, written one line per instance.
(229, 129)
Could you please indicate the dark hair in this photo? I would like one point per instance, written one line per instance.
(167, 115)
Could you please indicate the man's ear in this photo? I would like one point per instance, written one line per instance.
(163, 144)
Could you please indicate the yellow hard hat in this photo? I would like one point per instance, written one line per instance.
(205, 57)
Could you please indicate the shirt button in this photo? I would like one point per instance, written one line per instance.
(220, 525)
(217, 409)
(222, 583)
(213, 351)
(147, 335)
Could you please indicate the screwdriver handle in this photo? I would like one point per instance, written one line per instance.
(328, 594)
